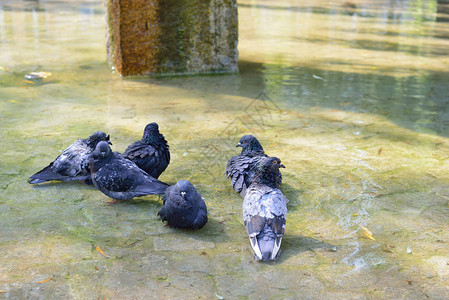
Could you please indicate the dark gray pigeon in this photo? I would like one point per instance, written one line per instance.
(151, 154)
(242, 168)
(183, 206)
(73, 163)
(265, 210)
(120, 178)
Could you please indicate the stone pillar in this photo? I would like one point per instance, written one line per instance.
(172, 36)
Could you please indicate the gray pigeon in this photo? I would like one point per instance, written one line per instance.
(183, 206)
(120, 178)
(151, 154)
(265, 210)
(242, 168)
(73, 163)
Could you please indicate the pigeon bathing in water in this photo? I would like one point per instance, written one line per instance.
(242, 168)
(183, 206)
(151, 154)
(120, 178)
(73, 163)
(265, 210)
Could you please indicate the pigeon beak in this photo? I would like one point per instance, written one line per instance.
(109, 142)
(183, 194)
(239, 145)
(281, 166)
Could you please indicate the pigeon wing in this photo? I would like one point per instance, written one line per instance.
(71, 164)
(263, 206)
(201, 218)
(147, 157)
(241, 170)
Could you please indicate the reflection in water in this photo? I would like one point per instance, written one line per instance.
(351, 95)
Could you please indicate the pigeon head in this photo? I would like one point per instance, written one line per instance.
(97, 137)
(270, 164)
(151, 134)
(268, 170)
(102, 150)
(152, 127)
(249, 144)
(185, 188)
(100, 156)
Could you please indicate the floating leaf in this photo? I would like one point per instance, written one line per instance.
(133, 243)
(14, 101)
(367, 233)
(379, 151)
(101, 251)
(344, 103)
(317, 77)
(29, 81)
(344, 185)
(385, 248)
(355, 214)
(409, 250)
(46, 280)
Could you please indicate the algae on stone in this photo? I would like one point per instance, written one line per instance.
(172, 37)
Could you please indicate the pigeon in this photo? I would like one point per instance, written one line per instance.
(242, 168)
(183, 206)
(265, 210)
(73, 163)
(151, 154)
(120, 178)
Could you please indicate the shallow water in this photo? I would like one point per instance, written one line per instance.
(353, 100)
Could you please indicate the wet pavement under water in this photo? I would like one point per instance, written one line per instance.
(352, 96)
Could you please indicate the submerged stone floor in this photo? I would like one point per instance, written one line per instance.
(352, 100)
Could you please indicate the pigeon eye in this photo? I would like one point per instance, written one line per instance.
(244, 142)
(275, 162)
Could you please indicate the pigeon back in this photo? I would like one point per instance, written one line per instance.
(121, 179)
(264, 216)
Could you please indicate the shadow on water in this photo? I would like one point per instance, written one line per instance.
(417, 102)
(293, 195)
(79, 185)
(293, 245)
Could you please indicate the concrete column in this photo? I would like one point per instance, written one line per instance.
(172, 36)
